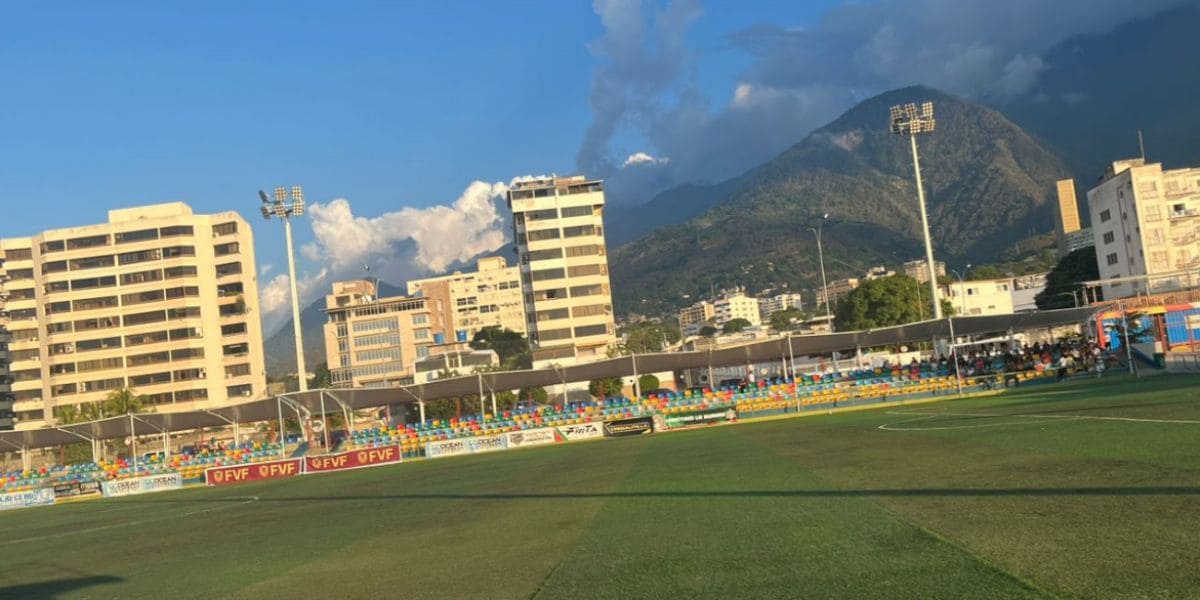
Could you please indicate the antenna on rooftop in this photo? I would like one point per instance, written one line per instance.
(1141, 145)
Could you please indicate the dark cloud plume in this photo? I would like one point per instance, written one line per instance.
(801, 78)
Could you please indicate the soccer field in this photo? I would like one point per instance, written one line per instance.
(1079, 489)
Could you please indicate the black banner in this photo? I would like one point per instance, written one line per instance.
(634, 426)
(76, 488)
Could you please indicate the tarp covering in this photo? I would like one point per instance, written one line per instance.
(335, 400)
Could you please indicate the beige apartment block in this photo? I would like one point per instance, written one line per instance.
(736, 305)
(980, 296)
(558, 224)
(373, 342)
(158, 299)
(1146, 228)
(693, 318)
(7, 416)
(491, 296)
(919, 269)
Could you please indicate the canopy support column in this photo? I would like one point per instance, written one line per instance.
(282, 437)
(637, 385)
(91, 441)
(482, 410)
(324, 423)
(133, 442)
(791, 358)
(954, 355)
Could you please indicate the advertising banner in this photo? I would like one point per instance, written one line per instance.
(142, 485)
(634, 426)
(254, 472)
(74, 489)
(367, 457)
(706, 417)
(532, 437)
(38, 497)
(487, 443)
(581, 431)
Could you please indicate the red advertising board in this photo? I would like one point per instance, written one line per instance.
(354, 459)
(253, 472)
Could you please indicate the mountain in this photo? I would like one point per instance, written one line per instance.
(623, 224)
(988, 183)
(1097, 91)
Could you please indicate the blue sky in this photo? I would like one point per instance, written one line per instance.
(387, 104)
(398, 107)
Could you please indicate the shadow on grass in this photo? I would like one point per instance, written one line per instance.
(882, 492)
(52, 589)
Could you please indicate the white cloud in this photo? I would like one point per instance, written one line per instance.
(398, 246)
(641, 158)
(274, 296)
(264, 269)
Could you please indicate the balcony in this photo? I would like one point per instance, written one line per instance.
(1183, 214)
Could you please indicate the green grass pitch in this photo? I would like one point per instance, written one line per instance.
(1062, 490)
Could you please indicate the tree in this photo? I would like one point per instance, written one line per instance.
(647, 382)
(984, 272)
(649, 336)
(511, 347)
(605, 388)
(735, 325)
(1064, 283)
(321, 377)
(781, 320)
(534, 394)
(883, 302)
(122, 402)
(70, 454)
(708, 331)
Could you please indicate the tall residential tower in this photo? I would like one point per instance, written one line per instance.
(558, 224)
(157, 299)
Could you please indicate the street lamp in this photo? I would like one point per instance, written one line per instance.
(824, 284)
(907, 120)
(961, 287)
(284, 211)
(821, 254)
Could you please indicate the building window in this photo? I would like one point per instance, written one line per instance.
(591, 330)
(225, 229)
(542, 234)
(141, 235)
(577, 211)
(1111, 259)
(19, 254)
(1105, 216)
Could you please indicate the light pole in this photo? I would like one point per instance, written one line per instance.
(962, 285)
(280, 209)
(821, 255)
(824, 284)
(906, 120)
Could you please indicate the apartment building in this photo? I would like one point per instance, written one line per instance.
(158, 299)
(1069, 234)
(693, 318)
(558, 226)
(772, 304)
(980, 297)
(1146, 228)
(839, 288)
(735, 305)
(7, 416)
(492, 295)
(373, 342)
(919, 269)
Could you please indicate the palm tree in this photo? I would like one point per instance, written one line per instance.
(122, 402)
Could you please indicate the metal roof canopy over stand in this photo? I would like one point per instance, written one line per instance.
(765, 351)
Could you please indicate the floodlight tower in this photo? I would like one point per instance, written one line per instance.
(907, 120)
(284, 211)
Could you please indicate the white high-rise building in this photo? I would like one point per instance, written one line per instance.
(558, 226)
(1146, 228)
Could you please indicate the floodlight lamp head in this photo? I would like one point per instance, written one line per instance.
(281, 210)
(266, 212)
(263, 196)
(297, 194)
(280, 194)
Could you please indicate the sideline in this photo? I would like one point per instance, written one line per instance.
(38, 538)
